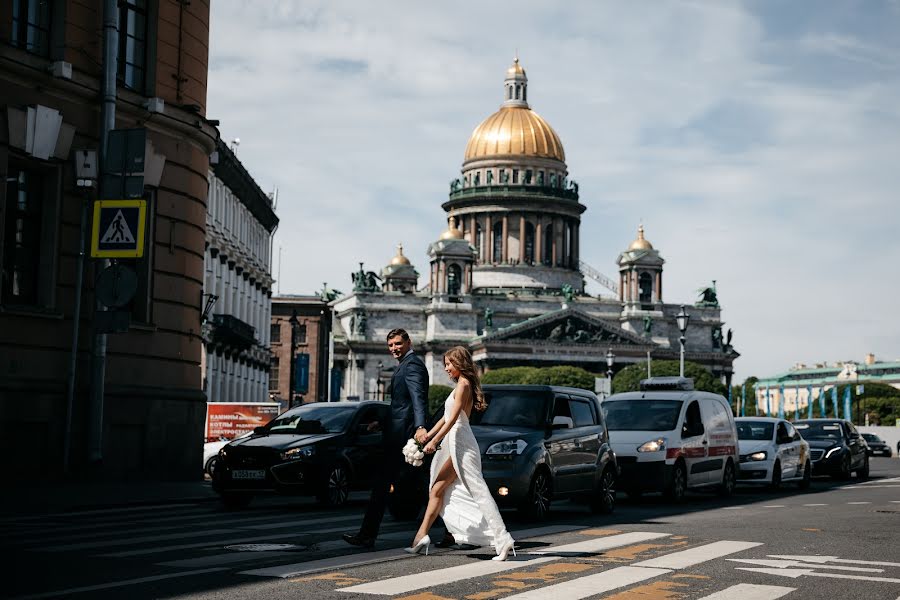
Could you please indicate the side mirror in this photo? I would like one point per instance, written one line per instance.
(560, 422)
(260, 431)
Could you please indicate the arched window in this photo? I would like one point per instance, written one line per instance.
(517, 92)
(645, 283)
(529, 243)
(454, 280)
(498, 242)
(477, 177)
(547, 249)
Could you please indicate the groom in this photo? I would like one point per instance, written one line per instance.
(409, 401)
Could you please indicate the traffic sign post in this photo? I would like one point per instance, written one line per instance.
(119, 227)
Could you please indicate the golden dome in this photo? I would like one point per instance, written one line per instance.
(515, 69)
(399, 259)
(514, 130)
(640, 243)
(452, 232)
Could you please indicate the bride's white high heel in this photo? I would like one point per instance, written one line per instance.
(424, 542)
(503, 553)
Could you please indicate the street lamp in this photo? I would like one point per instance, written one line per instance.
(295, 325)
(682, 319)
(610, 361)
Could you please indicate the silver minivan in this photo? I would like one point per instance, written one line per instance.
(668, 438)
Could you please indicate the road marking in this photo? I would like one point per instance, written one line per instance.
(694, 556)
(815, 505)
(113, 584)
(773, 506)
(856, 487)
(785, 563)
(748, 591)
(133, 540)
(734, 507)
(102, 511)
(600, 544)
(591, 585)
(895, 502)
(826, 559)
(795, 573)
(859, 503)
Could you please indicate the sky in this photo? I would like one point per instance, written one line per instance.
(758, 143)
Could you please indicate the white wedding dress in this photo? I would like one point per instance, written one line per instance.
(469, 512)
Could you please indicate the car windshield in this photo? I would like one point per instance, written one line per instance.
(871, 437)
(819, 431)
(312, 419)
(641, 414)
(513, 408)
(755, 430)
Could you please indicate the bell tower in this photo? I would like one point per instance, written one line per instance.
(640, 276)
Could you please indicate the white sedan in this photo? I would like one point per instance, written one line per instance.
(772, 452)
(211, 452)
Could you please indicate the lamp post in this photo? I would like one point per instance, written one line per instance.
(610, 361)
(682, 319)
(379, 385)
(295, 325)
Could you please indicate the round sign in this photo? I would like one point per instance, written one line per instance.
(115, 286)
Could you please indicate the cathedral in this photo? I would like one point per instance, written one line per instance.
(506, 278)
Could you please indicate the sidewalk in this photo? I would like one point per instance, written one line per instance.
(62, 496)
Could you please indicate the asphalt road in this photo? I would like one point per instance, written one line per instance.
(838, 540)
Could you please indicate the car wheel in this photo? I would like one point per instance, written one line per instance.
(807, 477)
(236, 501)
(536, 505)
(678, 486)
(210, 465)
(844, 472)
(604, 499)
(729, 481)
(336, 487)
(864, 472)
(776, 476)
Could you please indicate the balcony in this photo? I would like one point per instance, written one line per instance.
(513, 191)
(228, 330)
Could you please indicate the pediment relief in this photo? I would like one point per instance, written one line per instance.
(567, 327)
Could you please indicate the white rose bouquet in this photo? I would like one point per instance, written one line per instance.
(413, 452)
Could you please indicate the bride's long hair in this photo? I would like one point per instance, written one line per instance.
(461, 359)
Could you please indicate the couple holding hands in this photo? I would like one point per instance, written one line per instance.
(457, 491)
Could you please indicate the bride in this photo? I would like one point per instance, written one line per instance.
(458, 491)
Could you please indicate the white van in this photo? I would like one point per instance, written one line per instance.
(669, 437)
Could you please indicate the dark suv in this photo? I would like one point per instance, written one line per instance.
(540, 443)
(836, 447)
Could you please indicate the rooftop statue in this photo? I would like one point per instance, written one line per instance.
(708, 296)
(365, 281)
(328, 295)
(488, 318)
(648, 325)
(568, 292)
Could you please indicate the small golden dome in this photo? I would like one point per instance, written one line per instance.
(399, 259)
(517, 131)
(515, 69)
(452, 232)
(640, 243)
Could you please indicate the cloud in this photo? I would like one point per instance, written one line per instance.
(757, 142)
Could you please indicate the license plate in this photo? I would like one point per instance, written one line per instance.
(248, 474)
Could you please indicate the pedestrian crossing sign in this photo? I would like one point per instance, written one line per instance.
(118, 230)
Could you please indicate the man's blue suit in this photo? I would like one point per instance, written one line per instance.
(409, 401)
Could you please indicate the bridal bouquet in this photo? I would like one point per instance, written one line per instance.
(413, 452)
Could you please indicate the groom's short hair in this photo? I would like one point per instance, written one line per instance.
(395, 332)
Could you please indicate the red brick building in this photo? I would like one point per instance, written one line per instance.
(312, 335)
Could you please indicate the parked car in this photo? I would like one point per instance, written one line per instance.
(877, 446)
(211, 452)
(321, 449)
(543, 443)
(668, 438)
(771, 452)
(836, 447)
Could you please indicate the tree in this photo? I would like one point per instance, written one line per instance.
(629, 378)
(561, 375)
(437, 395)
(880, 401)
(750, 408)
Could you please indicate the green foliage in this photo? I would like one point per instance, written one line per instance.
(880, 401)
(437, 394)
(750, 408)
(629, 378)
(563, 375)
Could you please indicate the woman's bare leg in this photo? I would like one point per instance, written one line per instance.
(445, 477)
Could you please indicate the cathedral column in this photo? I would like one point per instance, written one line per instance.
(538, 240)
(659, 286)
(489, 252)
(522, 238)
(473, 231)
(554, 225)
(505, 246)
(635, 294)
(621, 286)
(576, 242)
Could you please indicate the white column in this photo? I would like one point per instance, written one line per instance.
(210, 376)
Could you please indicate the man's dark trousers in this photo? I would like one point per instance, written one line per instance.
(391, 470)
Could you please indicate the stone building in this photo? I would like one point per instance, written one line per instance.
(506, 277)
(152, 414)
(312, 334)
(237, 286)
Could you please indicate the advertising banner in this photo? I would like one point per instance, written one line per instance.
(231, 419)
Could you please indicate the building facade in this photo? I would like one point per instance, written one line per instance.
(506, 277)
(305, 320)
(152, 413)
(237, 287)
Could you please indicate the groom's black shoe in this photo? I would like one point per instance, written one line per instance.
(354, 539)
(446, 542)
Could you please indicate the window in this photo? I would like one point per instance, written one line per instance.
(561, 407)
(274, 372)
(454, 280)
(692, 420)
(31, 26)
(498, 242)
(528, 176)
(645, 283)
(133, 44)
(301, 333)
(515, 176)
(529, 243)
(275, 332)
(581, 413)
(547, 249)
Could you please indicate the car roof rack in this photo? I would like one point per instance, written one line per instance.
(679, 384)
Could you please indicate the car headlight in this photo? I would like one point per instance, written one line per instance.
(758, 456)
(507, 447)
(301, 452)
(653, 445)
(223, 452)
(832, 451)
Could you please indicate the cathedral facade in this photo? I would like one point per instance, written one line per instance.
(506, 278)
